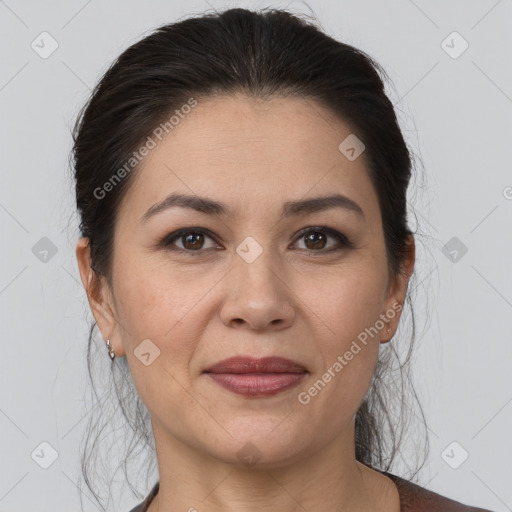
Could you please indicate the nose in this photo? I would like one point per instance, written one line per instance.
(257, 295)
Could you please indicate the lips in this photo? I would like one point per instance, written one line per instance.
(256, 377)
(242, 364)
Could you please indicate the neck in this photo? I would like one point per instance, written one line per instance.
(330, 479)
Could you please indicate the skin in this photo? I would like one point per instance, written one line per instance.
(292, 302)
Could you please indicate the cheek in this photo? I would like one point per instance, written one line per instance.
(165, 308)
(348, 303)
(348, 299)
(165, 305)
(153, 294)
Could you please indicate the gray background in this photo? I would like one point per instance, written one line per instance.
(455, 111)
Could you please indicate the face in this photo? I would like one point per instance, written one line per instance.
(260, 275)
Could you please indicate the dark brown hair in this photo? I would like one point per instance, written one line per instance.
(260, 54)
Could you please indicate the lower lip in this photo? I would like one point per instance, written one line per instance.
(257, 384)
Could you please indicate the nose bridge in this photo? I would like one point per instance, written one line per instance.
(257, 294)
(258, 266)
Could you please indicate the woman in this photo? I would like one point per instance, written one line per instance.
(241, 180)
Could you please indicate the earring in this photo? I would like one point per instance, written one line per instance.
(111, 352)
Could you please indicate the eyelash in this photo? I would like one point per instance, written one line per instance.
(166, 242)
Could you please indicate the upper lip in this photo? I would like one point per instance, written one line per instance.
(247, 364)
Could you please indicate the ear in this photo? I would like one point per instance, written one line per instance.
(100, 297)
(397, 292)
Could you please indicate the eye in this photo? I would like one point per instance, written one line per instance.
(192, 240)
(315, 239)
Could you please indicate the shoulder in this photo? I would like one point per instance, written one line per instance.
(418, 499)
(413, 498)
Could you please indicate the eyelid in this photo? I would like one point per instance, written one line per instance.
(167, 240)
(345, 242)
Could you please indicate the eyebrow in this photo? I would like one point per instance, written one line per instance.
(217, 209)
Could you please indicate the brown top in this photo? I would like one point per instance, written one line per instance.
(413, 498)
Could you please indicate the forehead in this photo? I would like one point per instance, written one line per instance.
(238, 126)
(240, 149)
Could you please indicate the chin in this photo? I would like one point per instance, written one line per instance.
(257, 443)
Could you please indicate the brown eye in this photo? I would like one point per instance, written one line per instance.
(193, 241)
(189, 241)
(316, 239)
